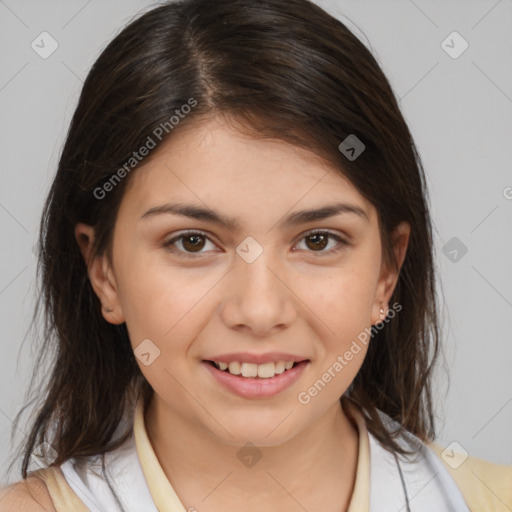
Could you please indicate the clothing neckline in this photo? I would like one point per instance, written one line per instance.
(166, 499)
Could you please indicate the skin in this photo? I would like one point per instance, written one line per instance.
(297, 296)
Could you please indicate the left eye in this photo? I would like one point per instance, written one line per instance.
(319, 240)
(193, 242)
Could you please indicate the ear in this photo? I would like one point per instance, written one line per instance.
(389, 275)
(100, 274)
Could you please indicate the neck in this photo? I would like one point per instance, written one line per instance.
(318, 465)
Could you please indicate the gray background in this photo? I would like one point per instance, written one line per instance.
(460, 114)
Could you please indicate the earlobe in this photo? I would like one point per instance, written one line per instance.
(98, 270)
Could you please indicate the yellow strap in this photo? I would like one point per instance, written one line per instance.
(486, 487)
(360, 501)
(63, 497)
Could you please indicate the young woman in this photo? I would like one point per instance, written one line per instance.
(238, 280)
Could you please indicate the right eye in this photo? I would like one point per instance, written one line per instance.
(191, 242)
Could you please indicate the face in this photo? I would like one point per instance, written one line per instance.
(215, 259)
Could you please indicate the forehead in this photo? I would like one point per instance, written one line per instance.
(215, 164)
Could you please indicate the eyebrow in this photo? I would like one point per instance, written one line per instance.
(296, 218)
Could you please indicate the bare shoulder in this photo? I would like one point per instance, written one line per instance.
(29, 495)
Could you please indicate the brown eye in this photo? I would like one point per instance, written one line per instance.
(189, 244)
(193, 243)
(317, 241)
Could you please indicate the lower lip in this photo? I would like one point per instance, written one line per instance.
(256, 387)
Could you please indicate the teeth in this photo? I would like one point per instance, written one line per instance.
(280, 367)
(266, 370)
(249, 370)
(263, 371)
(234, 368)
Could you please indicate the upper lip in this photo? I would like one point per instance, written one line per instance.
(246, 357)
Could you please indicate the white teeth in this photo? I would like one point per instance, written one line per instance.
(263, 371)
(249, 370)
(266, 370)
(234, 368)
(280, 367)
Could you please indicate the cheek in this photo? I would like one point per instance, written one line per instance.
(339, 311)
(342, 299)
(155, 295)
(163, 310)
(170, 307)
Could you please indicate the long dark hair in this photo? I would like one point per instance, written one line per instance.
(280, 69)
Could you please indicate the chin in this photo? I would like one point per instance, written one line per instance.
(258, 432)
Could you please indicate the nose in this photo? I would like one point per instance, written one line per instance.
(258, 299)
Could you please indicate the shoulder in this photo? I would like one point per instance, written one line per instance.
(28, 495)
(485, 485)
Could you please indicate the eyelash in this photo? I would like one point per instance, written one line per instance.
(183, 254)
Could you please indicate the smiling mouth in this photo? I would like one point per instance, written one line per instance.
(252, 370)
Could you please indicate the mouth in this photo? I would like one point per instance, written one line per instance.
(252, 370)
(249, 380)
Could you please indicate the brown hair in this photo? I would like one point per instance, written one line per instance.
(285, 70)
